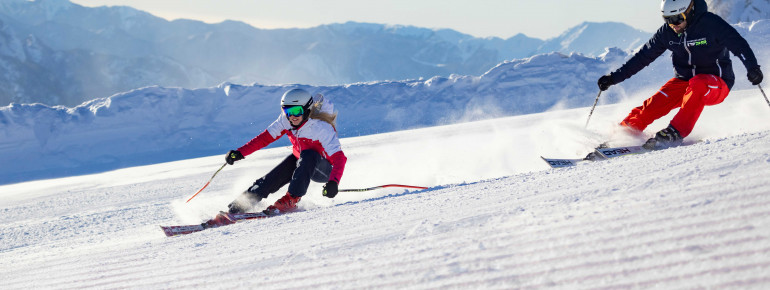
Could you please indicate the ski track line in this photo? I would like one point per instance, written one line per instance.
(721, 270)
(65, 259)
(548, 280)
(624, 216)
(67, 201)
(469, 278)
(577, 235)
(68, 227)
(719, 259)
(562, 238)
(554, 247)
(594, 252)
(742, 284)
(118, 278)
(645, 204)
(554, 194)
(397, 259)
(113, 261)
(476, 258)
(594, 265)
(512, 275)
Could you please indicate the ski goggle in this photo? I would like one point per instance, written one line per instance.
(675, 19)
(294, 111)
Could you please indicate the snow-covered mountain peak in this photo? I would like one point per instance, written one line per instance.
(135, 49)
(54, 4)
(734, 11)
(352, 26)
(591, 38)
(409, 31)
(613, 54)
(54, 7)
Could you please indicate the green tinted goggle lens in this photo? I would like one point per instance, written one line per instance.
(295, 111)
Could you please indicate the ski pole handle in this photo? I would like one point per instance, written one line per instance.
(207, 183)
(382, 186)
(592, 108)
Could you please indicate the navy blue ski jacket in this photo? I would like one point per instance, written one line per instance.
(701, 49)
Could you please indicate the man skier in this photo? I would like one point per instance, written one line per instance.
(699, 41)
(317, 156)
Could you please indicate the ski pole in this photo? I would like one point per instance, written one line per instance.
(381, 186)
(592, 108)
(763, 93)
(207, 183)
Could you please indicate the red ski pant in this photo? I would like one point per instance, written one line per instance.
(689, 96)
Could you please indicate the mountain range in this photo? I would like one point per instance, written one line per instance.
(59, 53)
(157, 124)
(164, 123)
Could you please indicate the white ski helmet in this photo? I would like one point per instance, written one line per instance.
(674, 7)
(296, 102)
(296, 97)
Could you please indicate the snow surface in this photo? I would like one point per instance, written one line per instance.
(495, 216)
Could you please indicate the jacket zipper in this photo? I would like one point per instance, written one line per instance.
(720, 68)
(296, 135)
(689, 54)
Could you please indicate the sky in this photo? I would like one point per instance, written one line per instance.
(481, 18)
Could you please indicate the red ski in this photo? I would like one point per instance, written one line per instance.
(222, 219)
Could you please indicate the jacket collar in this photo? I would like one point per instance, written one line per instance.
(698, 11)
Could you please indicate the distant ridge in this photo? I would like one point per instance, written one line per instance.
(60, 53)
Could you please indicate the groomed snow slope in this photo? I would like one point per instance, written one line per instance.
(494, 217)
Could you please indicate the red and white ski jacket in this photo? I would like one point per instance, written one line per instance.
(315, 134)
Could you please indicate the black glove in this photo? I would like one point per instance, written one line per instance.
(232, 156)
(605, 82)
(755, 75)
(330, 189)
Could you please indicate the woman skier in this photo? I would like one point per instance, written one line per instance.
(309, 121)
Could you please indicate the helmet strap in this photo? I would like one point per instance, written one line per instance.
(687, 13)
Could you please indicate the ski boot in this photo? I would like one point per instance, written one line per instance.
(593, 156)
(665, 138)
(284, 204)
(244, 202)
